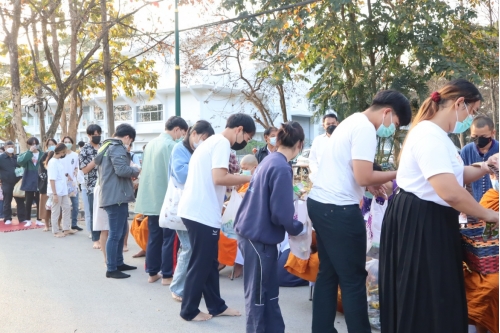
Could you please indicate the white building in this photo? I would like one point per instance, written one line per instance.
(149, 116)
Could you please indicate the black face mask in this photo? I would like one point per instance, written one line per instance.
(96, 139)
(330, 129)
(239, 145)
(481, 141)
(63, 156)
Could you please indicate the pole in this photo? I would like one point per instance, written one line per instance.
(177, 68)
(107, 73)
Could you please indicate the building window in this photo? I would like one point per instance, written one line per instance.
(84, 121)
(123, 112)
(28, 118)
(98, 113)
(147, 113)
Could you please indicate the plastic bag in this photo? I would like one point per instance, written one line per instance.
(100, 217)
(48, 203)
(300, 246)
(230, 214)
(168, 214)
(72, 188)
(375, 219)
(18, 193)
(19, 171)
(372, 293)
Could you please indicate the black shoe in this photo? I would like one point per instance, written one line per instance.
(76, 228)
(116, 275)
(126, 267)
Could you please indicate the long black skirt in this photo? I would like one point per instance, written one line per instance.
(420, 278)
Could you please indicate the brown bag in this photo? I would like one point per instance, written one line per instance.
(18, 193)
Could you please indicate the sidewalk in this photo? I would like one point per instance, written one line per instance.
(59, 285)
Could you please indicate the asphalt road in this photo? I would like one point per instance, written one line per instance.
(59, 286)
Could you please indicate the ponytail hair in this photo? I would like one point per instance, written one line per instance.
(289, 134)
(452, 91)
(61, 147)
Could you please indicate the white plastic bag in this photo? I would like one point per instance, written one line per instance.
(168, 214)
(372, 288)
(230, 214)
(48, 203)
(100, 217)
(375, 219)
(300, 246)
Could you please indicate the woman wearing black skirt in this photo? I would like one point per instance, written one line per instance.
(421, 278)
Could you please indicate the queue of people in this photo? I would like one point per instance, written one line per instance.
(422, 286)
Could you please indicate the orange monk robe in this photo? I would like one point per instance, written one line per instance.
(482, 290)
(243, 189)
(139, 230)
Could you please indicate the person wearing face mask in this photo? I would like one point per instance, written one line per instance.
(162, 243)
(420, 278)
(330, 122)
(200, 208)
(270, 138)
(264, 216)
(45, 213)
(178, 170)
(115, 176)
(29, 160)
(87, 165)
(483, 146)
(8, 165)
(57, 190)
(71, 161)
(334, 210)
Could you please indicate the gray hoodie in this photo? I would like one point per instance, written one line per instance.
(115, 173)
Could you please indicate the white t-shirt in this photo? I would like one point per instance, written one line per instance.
(354, 139)
(34, 159)
(56, 170)
(71, 163)
(316, 153)
(428, 151)
(201, 200)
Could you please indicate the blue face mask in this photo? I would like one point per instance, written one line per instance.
(462, 126)
(384, 131)
(272, 141)
(52, 148)
(246, 172)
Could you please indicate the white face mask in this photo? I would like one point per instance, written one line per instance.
(10, 150)
(197, 144)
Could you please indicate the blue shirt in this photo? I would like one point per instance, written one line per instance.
(470, 155)
(179, 164)
(267, 209)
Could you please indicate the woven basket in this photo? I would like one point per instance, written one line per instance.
(472, 229)
(485, 265)
(481, 256)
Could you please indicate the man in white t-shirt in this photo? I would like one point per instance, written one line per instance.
(333, 207)
(71, 162)
(319, 143)
(200, 208)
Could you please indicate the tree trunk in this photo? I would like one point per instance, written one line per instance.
(281, 92)
(494, 103)
(107, 72)
(73, 109)
(12, 44)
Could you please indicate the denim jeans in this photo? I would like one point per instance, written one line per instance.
(95, 234)
(118, 228)
(1, 209)
(177, 286)
(74, 210)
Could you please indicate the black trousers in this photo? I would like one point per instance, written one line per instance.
(260, 281)
(95, 234)
(202, 274)
(8, 190)
(341, 238)
(32, 196)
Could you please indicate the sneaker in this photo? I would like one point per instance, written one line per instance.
(38, 222)
(8, 222)
(28, 224)
(116, 275)
(77, 228)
